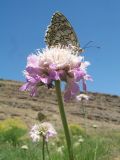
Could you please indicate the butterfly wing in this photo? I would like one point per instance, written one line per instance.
(60, 32)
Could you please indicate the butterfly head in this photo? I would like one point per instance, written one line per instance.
(81, 50)
(76, 50)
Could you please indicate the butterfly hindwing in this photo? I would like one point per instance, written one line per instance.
(60, 32)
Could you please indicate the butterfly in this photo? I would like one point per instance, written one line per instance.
(60, 32)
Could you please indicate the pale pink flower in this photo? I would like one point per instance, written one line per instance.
(43, 68)
(44, 129)
(82, 97)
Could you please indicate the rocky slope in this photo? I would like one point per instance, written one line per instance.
(101, 109)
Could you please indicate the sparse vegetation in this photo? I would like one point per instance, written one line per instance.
(102, 143)
(93, 147)
(12, 130)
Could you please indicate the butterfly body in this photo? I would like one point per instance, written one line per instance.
(60, 32)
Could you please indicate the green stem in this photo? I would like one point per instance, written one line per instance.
(85, 117)
(43, 148)
(64, 120)
(48, 150)
(96, 147)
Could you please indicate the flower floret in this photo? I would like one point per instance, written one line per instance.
(56, 63)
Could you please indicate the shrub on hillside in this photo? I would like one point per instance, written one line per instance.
(76, 130)
(12, 130)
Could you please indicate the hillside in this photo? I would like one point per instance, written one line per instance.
(101, 109)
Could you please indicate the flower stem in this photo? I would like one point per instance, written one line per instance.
(85, 118)
(48, 150)
(64, 120)
(43, 148)
(96, 147)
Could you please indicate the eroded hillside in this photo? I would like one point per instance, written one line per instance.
(101, 109)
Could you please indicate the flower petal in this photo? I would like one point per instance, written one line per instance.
(72, 89)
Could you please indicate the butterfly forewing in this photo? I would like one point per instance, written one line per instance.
(60, 32)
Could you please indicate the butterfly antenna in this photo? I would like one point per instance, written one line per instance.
(89, 46)
(86, 45)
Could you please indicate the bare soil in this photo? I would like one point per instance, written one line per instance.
(101, 109)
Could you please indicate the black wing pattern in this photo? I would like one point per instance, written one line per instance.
(60, 32)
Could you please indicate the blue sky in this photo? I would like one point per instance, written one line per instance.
(23, 24)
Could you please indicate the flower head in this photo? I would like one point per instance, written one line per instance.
(54, 64)
(60, 149)
(95, 126)
(82, 97)
(44, 129)
(24, 147)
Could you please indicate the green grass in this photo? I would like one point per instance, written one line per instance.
(94, 147)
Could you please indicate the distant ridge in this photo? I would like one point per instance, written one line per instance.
(101, 109)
